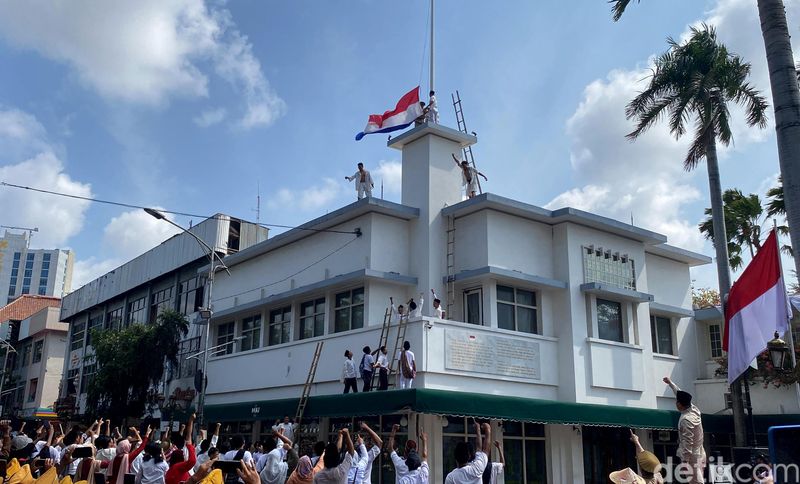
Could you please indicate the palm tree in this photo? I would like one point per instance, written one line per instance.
(695, 80)
(785, 100)
(742, 223)
(776, 208)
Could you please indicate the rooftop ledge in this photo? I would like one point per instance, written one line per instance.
(537, 281)
(439, 130)
(614, 292)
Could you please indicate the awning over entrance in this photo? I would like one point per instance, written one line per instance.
(444, 402)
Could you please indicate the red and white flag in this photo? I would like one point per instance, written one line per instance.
(757, 307)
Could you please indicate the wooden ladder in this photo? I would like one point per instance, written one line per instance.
(387, 323)
(301, 406)
(398, 344)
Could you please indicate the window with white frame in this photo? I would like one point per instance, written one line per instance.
(280, 323)
(349, 310)
(661, 332)
(251, 333)
(226, 333)
(715, 340)
(473, 306)
(609, 321)
(516, 309)
(603, 265)
(312, 318)
(524, 450)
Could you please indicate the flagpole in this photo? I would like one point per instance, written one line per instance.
(790, 336)
(432, 49)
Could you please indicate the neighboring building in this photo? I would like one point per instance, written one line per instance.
(26, 321)
(139, 290)
(560, 325)
(32, 271)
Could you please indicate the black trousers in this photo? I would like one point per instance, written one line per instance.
(367, 377)
(383, 379)
(350, 383)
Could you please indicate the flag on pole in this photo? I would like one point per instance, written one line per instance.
(406, 111)
(757, 307)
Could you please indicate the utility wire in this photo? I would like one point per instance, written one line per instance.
(290, 275)
(173, 212)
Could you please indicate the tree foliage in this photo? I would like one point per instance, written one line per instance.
(131, 363)
(705, 297)
(742, 224)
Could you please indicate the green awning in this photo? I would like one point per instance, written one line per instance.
(444, 402)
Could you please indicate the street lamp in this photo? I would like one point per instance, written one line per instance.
(205, 312)
(778, 350)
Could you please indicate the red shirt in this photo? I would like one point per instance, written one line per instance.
(180, 471)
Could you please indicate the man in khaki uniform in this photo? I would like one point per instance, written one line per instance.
(690, 433)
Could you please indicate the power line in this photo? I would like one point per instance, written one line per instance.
(173, 212)
(291, 275)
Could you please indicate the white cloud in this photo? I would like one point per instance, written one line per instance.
(30, 161)
(308, 199)
(210, 117)
(391, 174)
(145, 51)
(133, 233)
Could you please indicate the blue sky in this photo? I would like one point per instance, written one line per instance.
(193, 106)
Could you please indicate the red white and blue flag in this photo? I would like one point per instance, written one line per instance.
(757, 307)
(406, 111)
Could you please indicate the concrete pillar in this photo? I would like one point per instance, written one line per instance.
(564, 446)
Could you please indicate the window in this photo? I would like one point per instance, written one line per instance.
(312, 318)
(524, 448)
(280, 321)
(37, 351)
(88, 375)
(159, 302)
(25, 356)
(715, 340)
(225, 339)
(137, 311)
(608, 267)
(609, 320)
(72, 380)
(12, 288)
(190, 295)
(349, 310)
(44, 274)
(76, 338)
(251, 333)
(188, 368)
(516, 309)
(661, 331)
(114, 319)
(32, 389)
(26, 281)
(95, 323)
(473, 306)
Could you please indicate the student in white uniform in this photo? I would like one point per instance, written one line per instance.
(238, 451)
(367, 367)
(365, 470)
(383, 369)
(418, 472)
(433, 109)
(437, 311)
(469, 176)
(349, 373)
(494, 469)
(335, 472)
(400, 467)
(399, 313)
(471, 464)
(287, 427)
(363, 180)
(408, 366)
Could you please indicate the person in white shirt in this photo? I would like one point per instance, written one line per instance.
(365, 467)
(363, 180)
(399, 313)
(416, 312)
(436, 310)
(272, 467)
(205, 446)
(238, 451)
(383, 369)
(690, 433)
(433, 109)
(469, 176)
(287, 427)
(471, 464)
(366, 368)
(335, 472)
(154, 467)
(359, 460)
(418, 472)
(494, 469)
(408, 366)
(400, 467)
(349, 373)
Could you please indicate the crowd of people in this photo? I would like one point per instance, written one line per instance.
(378, 360)
(97, 455)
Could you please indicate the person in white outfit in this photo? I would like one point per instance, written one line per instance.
(433, 109)
(399, 313)
(417, 465)
(365, 466)
(469, 176)
(690, 433)
(471, 464)
(436, 310)
(382, 364)
(335, 472)
(408, 366)
(287, 427)
(363, 180)
(349, 373)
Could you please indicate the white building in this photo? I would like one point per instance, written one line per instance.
(164, 277)
(32, 271)
(561, 325)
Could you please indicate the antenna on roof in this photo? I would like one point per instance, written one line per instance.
(257, 210)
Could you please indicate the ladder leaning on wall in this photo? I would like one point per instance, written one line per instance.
(384, 340)
(312, 371)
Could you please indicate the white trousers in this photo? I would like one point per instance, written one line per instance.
(364, 187)
(405, 382)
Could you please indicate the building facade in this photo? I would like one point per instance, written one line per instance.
(32, 271)
(165, 277)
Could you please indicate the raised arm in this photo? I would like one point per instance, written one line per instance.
(502, 457)
(187, 435)
(423, 436)
(372, 435)
(339, 440)
(478, 437)
(487, 438)
(283, 438)
(635, 440)
(215, 437)
(458, 163)
(671, 384)
(395, 428)
(350, 449)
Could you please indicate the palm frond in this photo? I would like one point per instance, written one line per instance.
(755, 105)
(699, 147)
(618, 8)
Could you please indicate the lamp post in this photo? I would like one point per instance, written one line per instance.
(205, 312)
(778, 350)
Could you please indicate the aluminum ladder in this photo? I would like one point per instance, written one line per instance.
(462, 126)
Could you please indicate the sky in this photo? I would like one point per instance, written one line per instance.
(201, 106)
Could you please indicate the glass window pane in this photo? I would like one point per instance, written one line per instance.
(505, 316)
(307, 308)
(455, 425)
(320, 306)
(664, 335)
(341, 320)
(449, 443)
(274, 334)
(474, 308)
(319, 325)
(358, 296)
(505, 293)
(609, 320)
(513, 429)
(358, 317)
(526, 320)
(535, 466)
(534, 430)
(343, 299)
(285, 327)
(527, 298)
(512, 449)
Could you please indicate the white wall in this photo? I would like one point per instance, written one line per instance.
(519, 244)
(669, 280)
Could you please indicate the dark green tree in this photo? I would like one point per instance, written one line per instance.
(742, 224)
(131, 363)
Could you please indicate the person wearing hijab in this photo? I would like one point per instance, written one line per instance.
(272, 466)
(115, 473)
(305, 471)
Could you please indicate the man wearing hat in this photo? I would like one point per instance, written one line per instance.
(690, 433)
(649, 467)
